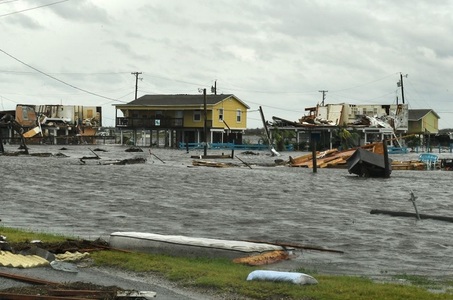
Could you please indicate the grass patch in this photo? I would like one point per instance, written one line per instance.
(14, 235)
(224, 277)
(416, 279)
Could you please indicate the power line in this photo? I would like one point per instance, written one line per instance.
(59, 80)
(64, 73)
(24, 10)
(6, 2)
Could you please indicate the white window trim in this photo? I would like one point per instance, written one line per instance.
(238, 115)
(221, 115)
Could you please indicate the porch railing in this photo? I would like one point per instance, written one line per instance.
(132, 123)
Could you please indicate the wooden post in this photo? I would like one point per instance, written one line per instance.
(2, 150)
(205, 125)
(271, 148)
(187, 144)
(412, 199)
(386, 159)
(313, 152)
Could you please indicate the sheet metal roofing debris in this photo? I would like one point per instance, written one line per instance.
(8, 259)
(71, 256)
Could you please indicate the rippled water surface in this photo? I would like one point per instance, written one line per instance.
(330, 208)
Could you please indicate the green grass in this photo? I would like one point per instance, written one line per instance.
(225, 277)
(18, 235)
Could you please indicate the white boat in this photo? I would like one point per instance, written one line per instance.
(188, 246)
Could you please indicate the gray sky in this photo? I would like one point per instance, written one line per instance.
(274, 54)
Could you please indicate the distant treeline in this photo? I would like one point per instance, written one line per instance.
(254, 131)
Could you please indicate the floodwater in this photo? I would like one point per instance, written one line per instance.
(330, 208)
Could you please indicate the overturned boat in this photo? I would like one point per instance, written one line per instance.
(368, 164)
(189, 246)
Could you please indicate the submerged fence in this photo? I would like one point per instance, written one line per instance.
(256, 147)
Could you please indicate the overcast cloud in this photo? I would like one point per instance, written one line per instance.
(274, 54)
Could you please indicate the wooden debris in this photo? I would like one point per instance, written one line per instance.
(263, 258)
(202, 163)
(128, 161)
(244, 162)
(411, 215)
(212, 156)
(133, 149)
(298, 246)
(337, 159)
(25, 279)
(91, 294)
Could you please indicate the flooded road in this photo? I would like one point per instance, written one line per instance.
(330, 208)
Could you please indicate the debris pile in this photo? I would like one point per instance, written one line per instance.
(338, 159)
(59, 256)
(203, 163)
(332, 158)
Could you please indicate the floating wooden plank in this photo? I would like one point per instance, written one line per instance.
(411, 215)
(213, 164)
(244, 162)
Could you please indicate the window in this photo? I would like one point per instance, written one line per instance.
(238, 115)
(221, 114)
(197, 116)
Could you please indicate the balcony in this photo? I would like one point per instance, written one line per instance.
(152, 123)
(155, 123)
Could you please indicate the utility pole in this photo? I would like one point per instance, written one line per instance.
(205, 152)
(323, 96)
(402, 86)
(136, 82)
(214, 88)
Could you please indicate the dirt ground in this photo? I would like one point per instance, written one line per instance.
(92, 282)
(79, 289)
(70, 245)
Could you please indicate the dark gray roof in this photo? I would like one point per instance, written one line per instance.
(182, 100)
(417, 114)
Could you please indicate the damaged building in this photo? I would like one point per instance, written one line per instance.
(51, 124)
(370, 123)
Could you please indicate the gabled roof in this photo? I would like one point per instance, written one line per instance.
(418, 114)
(180, 100)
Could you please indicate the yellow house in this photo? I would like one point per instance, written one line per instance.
(185, 118)
(423, 121)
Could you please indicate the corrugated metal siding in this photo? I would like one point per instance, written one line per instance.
(8, 259)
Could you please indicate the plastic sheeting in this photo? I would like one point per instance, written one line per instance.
(293, 277)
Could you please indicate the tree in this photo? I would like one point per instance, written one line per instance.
(282, 138)
(345, 138)
(413, 141)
